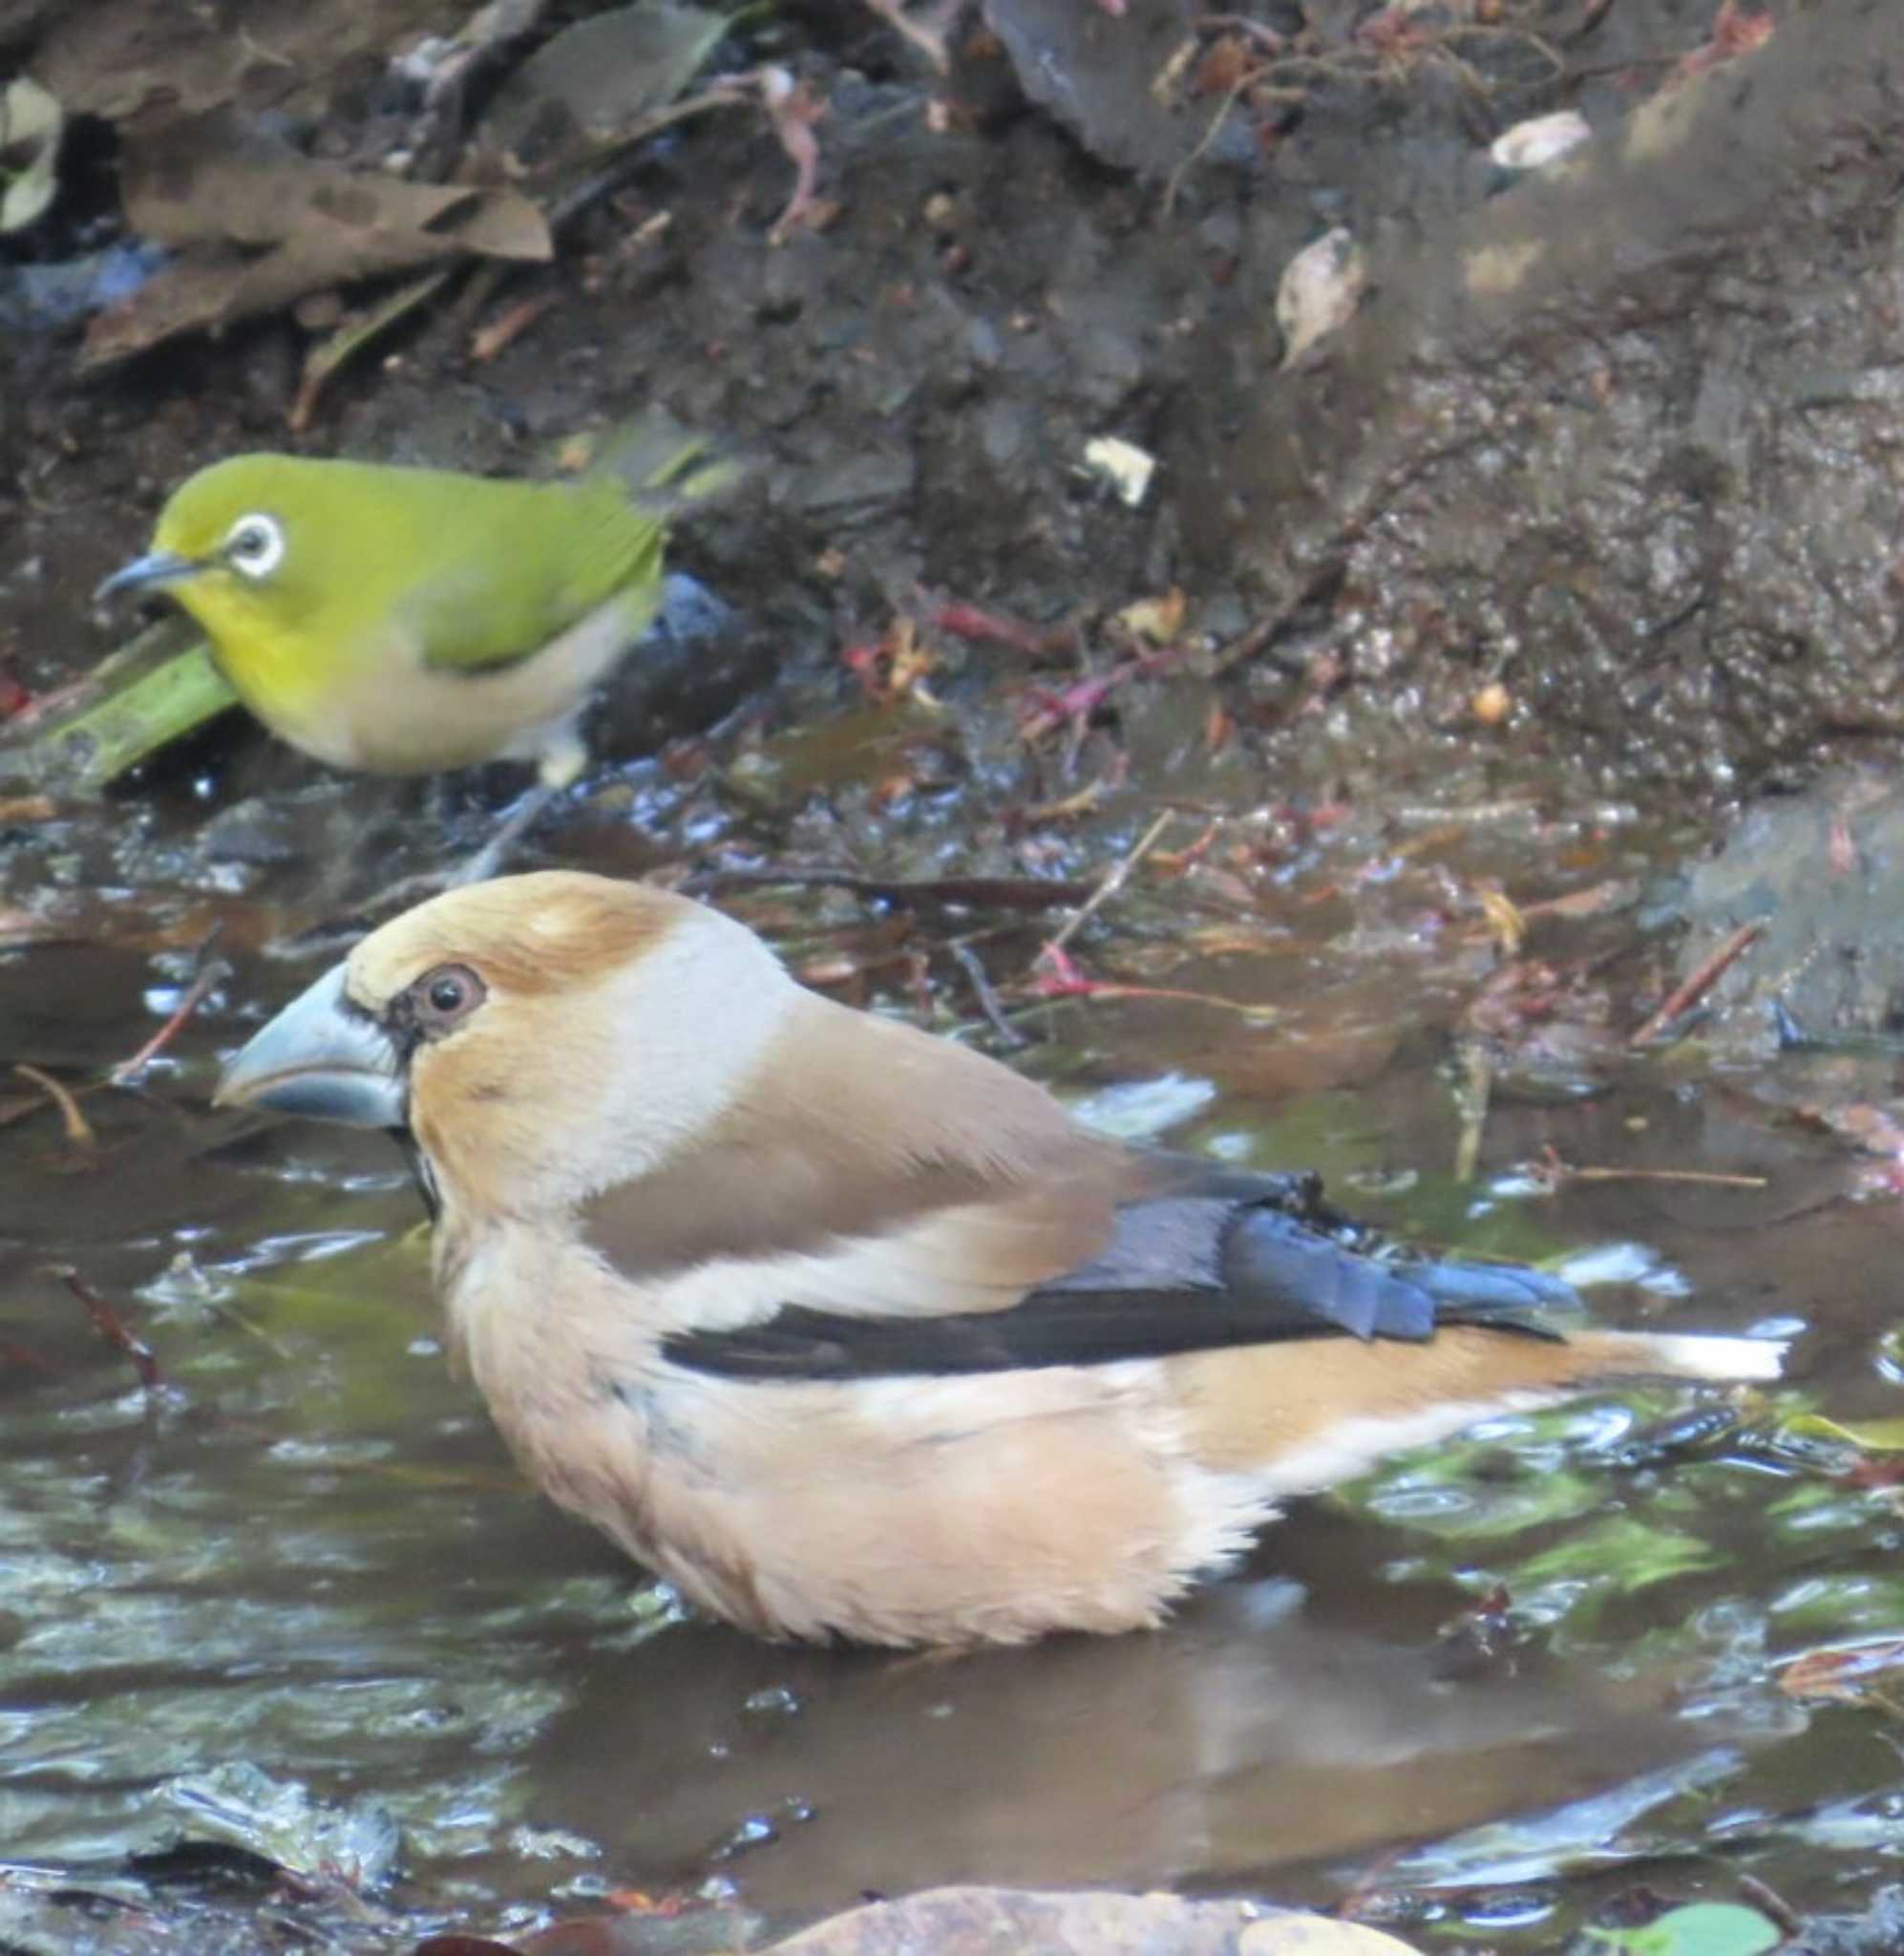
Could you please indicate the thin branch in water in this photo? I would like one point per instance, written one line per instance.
(1552, 1171)
(982, 989)
(77, 1129)
(1476, 1096)
(1684, 996)
(215, 973)
(110, 1327)
(951, 892)
(1770, 1903)
(1060, 979)
(1114, 880)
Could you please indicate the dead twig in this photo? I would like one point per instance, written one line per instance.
(1109, 883)
(1388, 48)
(1769, 1901)
(1684, 996)
(356, 333)
(1552, 1172)
(213, 973)
(1474, 1097)
(110, 1327)
(1201, 146)
(974, 622)
(78, 1129)
(503, 332)
(953, 892)
(927, 34)
(1060, 979)
(792, 110)
(1247, 644)
(1066, 806)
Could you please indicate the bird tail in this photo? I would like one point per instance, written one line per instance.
(1511, 1297)
(1295, 1418)
(666, 466)
(1681, 1355)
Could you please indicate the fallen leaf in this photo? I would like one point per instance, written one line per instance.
(1869, 1436)
(30, 123)
(260, 226)
(1156, 619)
(1840, 1674)
(1319, 291)
(1700, 1928)
(149, 68)
(1540, 141)
(591, 87)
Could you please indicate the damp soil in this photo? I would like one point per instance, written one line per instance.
(288, 1598)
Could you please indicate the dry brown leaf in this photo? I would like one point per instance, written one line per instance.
(1156, 619)
(149, 68)
(219, 183)
(1845, 1675)
(1505, 922)
(261, 226)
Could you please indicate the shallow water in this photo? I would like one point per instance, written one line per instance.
(297, 1596)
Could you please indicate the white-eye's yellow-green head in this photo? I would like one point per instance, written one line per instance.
(246, 541)
(244, 545)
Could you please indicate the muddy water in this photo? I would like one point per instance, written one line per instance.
(296, 1597)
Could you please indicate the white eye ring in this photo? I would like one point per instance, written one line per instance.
(255, 545)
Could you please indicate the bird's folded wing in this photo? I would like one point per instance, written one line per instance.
(1184, 1271)
(527, 572)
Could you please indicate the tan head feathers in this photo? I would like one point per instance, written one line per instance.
(525, 935)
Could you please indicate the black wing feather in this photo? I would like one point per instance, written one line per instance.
(1228, 1260)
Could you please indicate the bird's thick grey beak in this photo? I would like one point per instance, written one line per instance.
(320, 1057)
(155, 567)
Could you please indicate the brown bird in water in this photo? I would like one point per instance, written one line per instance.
(844, 1329)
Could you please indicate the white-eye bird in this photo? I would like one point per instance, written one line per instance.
(404, 620)
(845, 1328)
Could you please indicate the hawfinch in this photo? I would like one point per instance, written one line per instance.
(846, 1330)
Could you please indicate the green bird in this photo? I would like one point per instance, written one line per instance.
(406, 621)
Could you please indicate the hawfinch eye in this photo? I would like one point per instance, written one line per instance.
(443, 997)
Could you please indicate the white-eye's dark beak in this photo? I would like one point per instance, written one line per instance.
(155, 567)
(321, 1057)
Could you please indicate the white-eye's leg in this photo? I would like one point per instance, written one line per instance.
(560, 761)
(514, 827)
